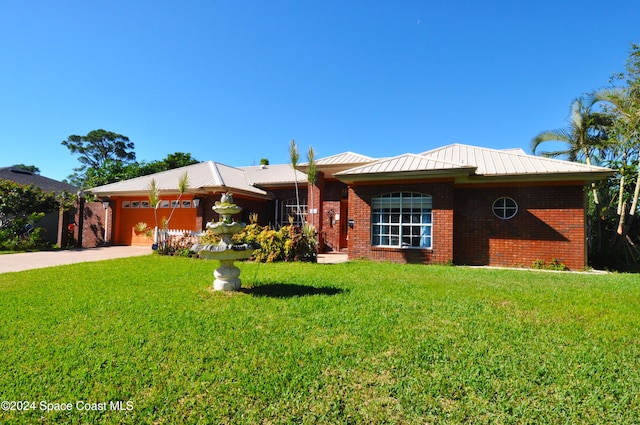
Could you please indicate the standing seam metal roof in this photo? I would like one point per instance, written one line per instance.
(204, 175)
(403, 163)
(344, 158)
(273, 174)
(492, 162)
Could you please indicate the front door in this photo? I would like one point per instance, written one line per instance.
(344, 223)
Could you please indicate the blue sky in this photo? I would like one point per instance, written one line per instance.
(235, 81)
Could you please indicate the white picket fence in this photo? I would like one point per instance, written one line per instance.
(178, 238)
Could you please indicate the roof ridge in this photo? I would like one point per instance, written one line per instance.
(213, 166)
(517, 152)
(418, 156)
(346, 153)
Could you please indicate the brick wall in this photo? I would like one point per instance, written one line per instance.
(314, 201)
(93, 224)
(549, 224)
(331, 216)
(442, 212)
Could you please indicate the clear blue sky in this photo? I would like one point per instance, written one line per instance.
(235, 81)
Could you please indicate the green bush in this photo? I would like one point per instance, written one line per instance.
(19, 235)
(21, 206)
(289, 243)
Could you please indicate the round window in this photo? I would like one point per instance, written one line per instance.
(505, 208)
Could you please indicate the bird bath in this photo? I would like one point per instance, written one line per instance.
(227, 276)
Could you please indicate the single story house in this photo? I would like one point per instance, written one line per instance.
(51, 221)
(458, 203)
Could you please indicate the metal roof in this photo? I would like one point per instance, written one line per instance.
(204, 176)
(466, 163)
(404, 164)
(343, 158)
(473, 164)
(493, 162)
(279, 174)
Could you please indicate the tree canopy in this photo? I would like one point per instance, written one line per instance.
(604, 128)
(107, 157)
(30, 168)
(99, 147)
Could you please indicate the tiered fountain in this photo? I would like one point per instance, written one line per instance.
(227, 275)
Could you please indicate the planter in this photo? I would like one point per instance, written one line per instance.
(141, 238)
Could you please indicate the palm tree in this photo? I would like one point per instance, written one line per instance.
(293, 157)
(585, 135)
(312, 172)
(624, 106)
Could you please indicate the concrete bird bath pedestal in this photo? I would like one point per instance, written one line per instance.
(227, 276)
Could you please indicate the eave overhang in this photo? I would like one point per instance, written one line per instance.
(201, 191)
(392, 177)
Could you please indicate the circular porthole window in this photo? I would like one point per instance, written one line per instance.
(505, 208)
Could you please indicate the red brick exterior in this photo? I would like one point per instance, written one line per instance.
(90, 226)
(314, 202)
(331, 217)
(550, 223)
(360, 235)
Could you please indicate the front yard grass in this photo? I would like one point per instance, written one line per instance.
(359, 342)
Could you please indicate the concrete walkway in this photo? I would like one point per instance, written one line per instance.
(332, 258)
(37, 260)
(41, 259)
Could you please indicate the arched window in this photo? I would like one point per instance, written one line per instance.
(401, 220)
(290, 209)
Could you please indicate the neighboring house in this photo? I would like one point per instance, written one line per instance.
(459, 203)
(23, 177)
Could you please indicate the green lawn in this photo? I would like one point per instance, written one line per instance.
(359, 342)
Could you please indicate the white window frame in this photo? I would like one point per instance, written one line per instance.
(402, 220)
(288, 209)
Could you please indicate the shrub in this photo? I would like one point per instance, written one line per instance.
(19, 235)
(554, 265)
(21, 206)
(289, 243)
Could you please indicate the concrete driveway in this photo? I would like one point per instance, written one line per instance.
(38, 260)
(41, 259)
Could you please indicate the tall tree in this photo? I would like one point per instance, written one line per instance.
(98, 149)
(100, 146)
(623, 102)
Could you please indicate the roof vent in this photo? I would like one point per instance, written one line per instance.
(21, 171)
